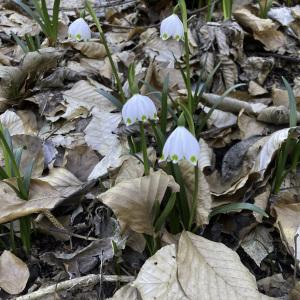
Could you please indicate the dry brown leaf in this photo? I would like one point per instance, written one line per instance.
(63, 181)
(132, 200)
(41, 196)
(258, 244)
(90, 49)
(157, 278)
(264, 30)
(12, 122)
(206, 160)
(131, 168)
(249, 126)
(220, 118)
(233, 105)
(287, 222)
(83, 95)
(127, 292)
(213, 271)
(204, 200)
(33, 151)
(276, 115)
(14, 273)
(255, 89)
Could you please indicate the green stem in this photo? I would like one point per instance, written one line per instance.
(144, 150)
(194, 199)
(183, 204)
(188, 72)
(103, 39)
(160, 139)
(25, 228)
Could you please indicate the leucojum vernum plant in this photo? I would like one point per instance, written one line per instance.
(180, 143)
(12, 175)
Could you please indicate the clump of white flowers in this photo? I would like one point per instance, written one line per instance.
(138, 108)
(181, 144)
(172, 27)
(79, 30)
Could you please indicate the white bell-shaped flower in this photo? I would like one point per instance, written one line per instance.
(172, 27)
(138, 108)
(181, 144)
(79, 30)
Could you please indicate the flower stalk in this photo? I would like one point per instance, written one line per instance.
(103, 40)
(194, 198)
(144, 150)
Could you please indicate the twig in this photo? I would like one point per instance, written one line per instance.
(84, 281)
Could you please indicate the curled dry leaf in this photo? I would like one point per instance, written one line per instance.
(41, 196)
(14, 273)
(204, 200)
(264, 30)
(220, 118)
(157, 278)
(127, 292)
(89, 49)
(213, 271)
(287, 222)
(276, 115)
(207, 156)
(33, 63)
(132, 200)
(12, 122)
(233, 105)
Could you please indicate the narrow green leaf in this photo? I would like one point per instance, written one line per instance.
(235, 207)
(111, 98)
(164, 106)
(292, 104)
(165, 213)
(20, 43)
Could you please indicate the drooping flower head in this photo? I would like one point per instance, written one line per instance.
(172, 27)
(138, 108)
(79, 30)
(181, 144)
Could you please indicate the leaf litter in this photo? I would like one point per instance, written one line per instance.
(93, 210)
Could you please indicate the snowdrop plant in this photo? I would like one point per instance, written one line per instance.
(172, 27)
(79, 30)
(139, 109)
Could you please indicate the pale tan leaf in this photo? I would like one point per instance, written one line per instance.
(207, 156)
(32, 151)
(132, 200)
(63, 181)
(14, 273)
(12, 122)
(99, 133)
(249, 126)
(220, 118)
(255, 89)
(204, 200)
(84, 95)
(131, 168)
(233, 105)
(287, 222)
(213, 271)
(41, 196)
(90, 49)
(157, 278)
(127, 292)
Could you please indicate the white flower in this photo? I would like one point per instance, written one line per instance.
(172, 27)
(181, 144)
(138, 108)
(79, 30)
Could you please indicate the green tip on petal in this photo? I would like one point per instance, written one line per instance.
(128, 121)
(193, 159)
(78, 36)
(164, 36)
(174, 158)
(144, 118)
(177, 38)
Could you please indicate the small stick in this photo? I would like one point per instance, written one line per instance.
(84, 281)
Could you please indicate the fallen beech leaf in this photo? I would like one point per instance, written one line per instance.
(41, 196)
(157, 278)
(204, 200)
(90, 49)
(213, 271)
(287, 222)
(14, 273)
(12, 122)
(127, 292)
(132, 200)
